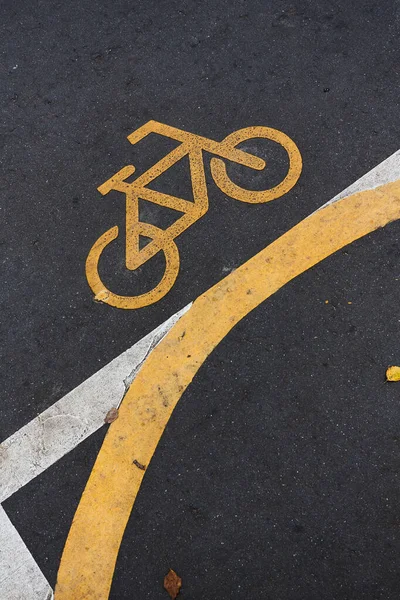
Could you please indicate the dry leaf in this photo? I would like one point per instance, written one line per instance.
(139, 465)
(111, 416)
(102, 296)
(172, 583)
(393, 374)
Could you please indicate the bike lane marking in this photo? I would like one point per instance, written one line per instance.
(81, 412)
(20, 576)
(102, 389)
(193, 147)
(91, 550)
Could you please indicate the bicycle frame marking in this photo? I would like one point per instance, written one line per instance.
(191, 145)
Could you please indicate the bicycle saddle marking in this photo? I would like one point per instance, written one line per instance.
(191, 145)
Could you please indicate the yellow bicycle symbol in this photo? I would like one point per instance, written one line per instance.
(163, 239)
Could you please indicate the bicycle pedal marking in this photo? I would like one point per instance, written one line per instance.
(193, 146)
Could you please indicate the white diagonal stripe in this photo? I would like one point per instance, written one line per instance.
(57, 430)
(20, 576)
(386, 172)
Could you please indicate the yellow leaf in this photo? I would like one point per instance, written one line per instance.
(393, 374)
(102, 296)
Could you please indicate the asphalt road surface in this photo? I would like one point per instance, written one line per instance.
(278, 475)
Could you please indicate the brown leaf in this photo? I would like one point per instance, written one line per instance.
(139, 465)
(172, 583)
(111, 416)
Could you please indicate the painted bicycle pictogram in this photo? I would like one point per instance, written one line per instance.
(191, 145)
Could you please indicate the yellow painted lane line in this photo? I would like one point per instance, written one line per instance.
(91, 550)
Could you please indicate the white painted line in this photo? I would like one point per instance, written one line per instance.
(60, 428)
(386, 172)
(20, 576)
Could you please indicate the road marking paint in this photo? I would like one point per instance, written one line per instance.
(20, 576)
(92, 546)
(106, 387)
(60, 428)
(221, 178)
(386, 172)
(191, 146)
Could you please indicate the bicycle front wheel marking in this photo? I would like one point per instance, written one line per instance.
(103, 294)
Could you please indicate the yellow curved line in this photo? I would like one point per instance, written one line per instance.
(91, 550)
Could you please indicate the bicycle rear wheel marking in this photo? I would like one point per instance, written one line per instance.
(220, 175)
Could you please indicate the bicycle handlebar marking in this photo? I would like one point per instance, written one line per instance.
(163, 239)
